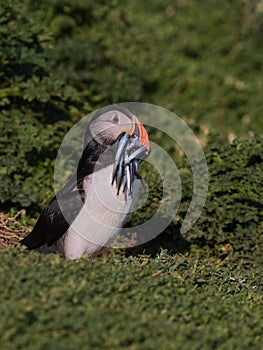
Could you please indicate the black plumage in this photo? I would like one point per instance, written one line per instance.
(51, 224)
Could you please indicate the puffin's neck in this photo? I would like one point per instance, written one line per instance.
(95, 156)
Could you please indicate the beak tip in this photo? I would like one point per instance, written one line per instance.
(144, 138)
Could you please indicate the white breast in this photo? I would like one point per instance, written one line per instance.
(101, 218)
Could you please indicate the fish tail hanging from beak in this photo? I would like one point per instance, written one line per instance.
(133, 145)
(121, 146)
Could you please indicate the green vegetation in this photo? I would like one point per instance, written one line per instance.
(35, 110)
(231, 224)
(168, 302)
(200, 59)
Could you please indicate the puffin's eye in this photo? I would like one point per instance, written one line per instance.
(115, 118)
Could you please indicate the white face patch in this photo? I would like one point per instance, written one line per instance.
(109, 126)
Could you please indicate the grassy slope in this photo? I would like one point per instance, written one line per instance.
(128, 303)
(208, 59)
(168, 301)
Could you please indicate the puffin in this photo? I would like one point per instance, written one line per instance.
(87, 214)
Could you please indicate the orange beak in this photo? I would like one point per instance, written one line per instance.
(144, 138)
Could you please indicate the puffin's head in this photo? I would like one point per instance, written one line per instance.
(110, 123)
(117, 125)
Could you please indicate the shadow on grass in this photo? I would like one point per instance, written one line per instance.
(170, 239)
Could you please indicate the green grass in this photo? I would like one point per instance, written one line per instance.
(201, 60)
(165, 302)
